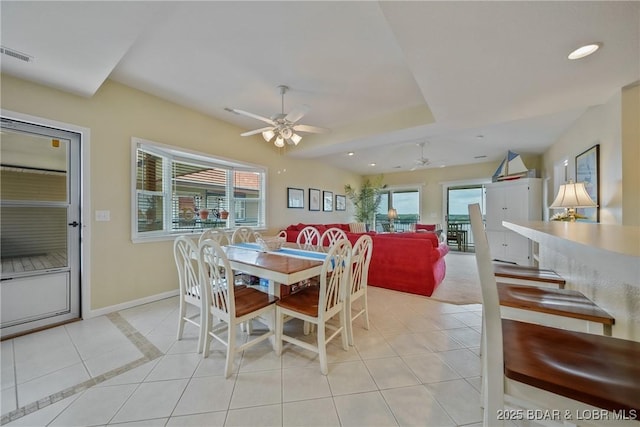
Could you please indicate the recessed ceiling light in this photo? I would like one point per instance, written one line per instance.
(479, 136)
(350, 153)
(585, 50)
(372, 164)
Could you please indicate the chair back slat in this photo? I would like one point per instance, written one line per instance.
(493, 359)
(217, 279)
(187, 266)
(217, 235)
(362, 251)
(309, 236)
(243, 235)
(331, 236)
(334, 277)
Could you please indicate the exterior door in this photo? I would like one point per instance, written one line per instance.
(40, 211)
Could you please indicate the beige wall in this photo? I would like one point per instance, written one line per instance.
(631, 154)
(120, 270)
(432, 180)
(600, 124)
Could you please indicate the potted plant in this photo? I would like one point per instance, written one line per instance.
(367, 200)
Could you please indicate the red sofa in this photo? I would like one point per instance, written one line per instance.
(407, 262)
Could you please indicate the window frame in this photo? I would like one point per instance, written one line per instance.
(171, 154)
(388, 192)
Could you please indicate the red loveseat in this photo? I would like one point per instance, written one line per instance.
(407, 262)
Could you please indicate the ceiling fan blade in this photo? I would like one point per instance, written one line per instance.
(297, 113)
(310, 129)
(257, 131)
(255, 116)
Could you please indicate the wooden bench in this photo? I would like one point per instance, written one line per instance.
(522, 275)
(568, 309)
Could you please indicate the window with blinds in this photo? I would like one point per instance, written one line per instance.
(184, 192)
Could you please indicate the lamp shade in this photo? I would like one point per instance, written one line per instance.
(268, 135)
(393, 214)
(573, 195)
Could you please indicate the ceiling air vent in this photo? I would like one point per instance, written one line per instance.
(15, 54)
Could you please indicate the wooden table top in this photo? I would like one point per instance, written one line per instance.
(270, 261)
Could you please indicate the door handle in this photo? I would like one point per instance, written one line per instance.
(74, 224)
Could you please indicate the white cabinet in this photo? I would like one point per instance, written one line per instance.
(516, 200)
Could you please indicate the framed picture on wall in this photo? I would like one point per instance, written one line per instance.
(588, 171)
(295, 198)
(314, 199)
(327, 201)
(341, 202)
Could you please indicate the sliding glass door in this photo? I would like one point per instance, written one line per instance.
(458, 224)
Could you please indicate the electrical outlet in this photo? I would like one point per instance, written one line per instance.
(103, 215)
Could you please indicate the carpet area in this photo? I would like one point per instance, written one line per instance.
(461, 284)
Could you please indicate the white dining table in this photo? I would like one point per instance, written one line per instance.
(287, 266)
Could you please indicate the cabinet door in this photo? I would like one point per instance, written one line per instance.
(517, 248)
(516, 202)
(495, 208)
(496, 244)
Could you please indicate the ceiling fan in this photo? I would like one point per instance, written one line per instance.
(422, 161)
(283, 127)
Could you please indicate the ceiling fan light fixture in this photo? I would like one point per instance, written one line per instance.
(296, 138)
(279, 142)
(268, 135)
(286, 133)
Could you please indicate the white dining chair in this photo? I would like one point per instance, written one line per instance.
(361, 258)
(309, 236)
(332, 235)
(217, 235)
(229, 305)
(184, 250)
(316, 305)
(243, 235)
(556, 371)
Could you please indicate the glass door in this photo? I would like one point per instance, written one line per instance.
(459, 198)
(40, 211)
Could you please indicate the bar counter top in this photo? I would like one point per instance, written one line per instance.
(618, 239)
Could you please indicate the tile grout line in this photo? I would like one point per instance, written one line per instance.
(150, 352)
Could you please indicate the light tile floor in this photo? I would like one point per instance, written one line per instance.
(418, 364)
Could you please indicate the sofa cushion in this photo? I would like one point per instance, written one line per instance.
(427, 227)
(432, 237)
(358, 227)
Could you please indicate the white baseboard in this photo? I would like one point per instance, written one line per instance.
(112, 308)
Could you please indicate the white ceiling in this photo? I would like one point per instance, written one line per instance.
(383, 76)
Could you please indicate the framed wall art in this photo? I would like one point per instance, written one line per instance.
(327, 201)
(588, 171)
(314, 199)
(295, 198)
(341, 202)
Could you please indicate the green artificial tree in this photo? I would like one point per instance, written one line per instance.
(367, 200)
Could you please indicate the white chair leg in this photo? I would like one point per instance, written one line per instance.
(345, 330)
(206, 342)
(277, 344)
(231, 345)
(306, 328)
(349, 324)
(181, 321)
(366, 312)
(322, 350)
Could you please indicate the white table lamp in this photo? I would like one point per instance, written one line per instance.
(571, 196)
